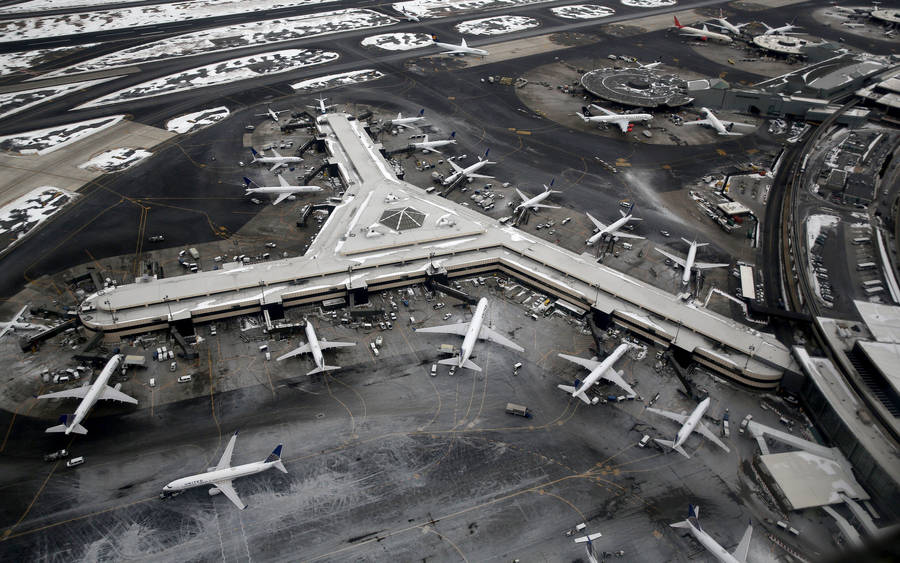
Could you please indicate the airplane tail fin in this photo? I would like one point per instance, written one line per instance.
(248, 181)
(453, 135)
(275, 458)
(677, 23)
(421, 112)
(67, 425)
(323, 369)
(671, 445)
(253, 152)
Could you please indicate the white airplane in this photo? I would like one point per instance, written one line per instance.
(461, 49)
(721, 126)
(689, 424)
(702, 34)
(276, 161)
(599, 370)
(13, 324)
(221, 476)
(689, 264)
(612, 230)
(734, 28)
(534, 202)
(89, 395)
(282, 191)
(272, 114)
(431, 146)
(623, 120)
(471, 332)
(589, 548)
(712, 546)
(783, 30)
(647, 66)
(405, 122)
(315, 347)
(321, 106)
(469, 171)
(408, 16)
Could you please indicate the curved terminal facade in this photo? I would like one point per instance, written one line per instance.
(387, 233)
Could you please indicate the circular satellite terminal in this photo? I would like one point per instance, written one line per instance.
(887, 16)
(782, 44)
(636, 87)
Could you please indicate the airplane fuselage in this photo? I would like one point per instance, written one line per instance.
(534, 200)
(610, 230)
(277, 159)
(688, 427)
(689, 263)
(598, 372)
(314, 348)
(472, 168)
(283, 189)
(212, 477)
(472, 333)
(86, 404)
(461, 50)
(406, 120)
(710, 544)
(704, 34)
(428, 145)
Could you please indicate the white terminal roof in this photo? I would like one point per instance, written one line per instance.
(733, 208)
(886, 356)
(387, 230)
(883, 321)
(807, 480)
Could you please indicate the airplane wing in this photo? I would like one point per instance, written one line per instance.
(677, 260)
(276, 166)
(227, 490)
(8, 327)
(521, 195)
(588, 364)
(708, 265)
(544, 206)
(304, 349)
(281, 197)
(710, 435)
(737, 124)
(77, 393)
(679, 418)
(623, 124)
(596, 223)
(497, 338)
(113, 394)
(457, 328)
(276, 153)
(613, 376)
(283, 182)
(478, 176)
(622, 234)
(325, 344)
(603, 109)
(12, 322)
(225, 460)
(699, 122)
(455, 167)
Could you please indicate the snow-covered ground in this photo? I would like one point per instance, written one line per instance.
(197, 120)
(116, 159)
(15, 62)
(648, 3)
(442, 8)
(229, 71)
(496, 25)
(235, 37)
(126, 18)
(342, 79)
(19, 217)
(14, 102)
(43, 141)
(398, 41)
(583, 11)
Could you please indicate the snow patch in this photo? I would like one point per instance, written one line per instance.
(398, 41)
(14, 62)
(197, 120)
(648, 3)
(116, 159)
(582, 11)
(21, 216)
(497, 25)
(443, 8)
(334, 80)
(15, 102)
(43, 141)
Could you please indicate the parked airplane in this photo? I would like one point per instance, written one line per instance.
(405, 122)
(721, 126)
(647, 66)
(277, 161)
(623, 120)
(471, 332)
(271, 113)
(589, 548)
(282, 191)
(734, 28)
(599, 370)
(321, 106)
(461, 49)
(712, 546)
(689, 264)
(431, 146)
(315, 347)
(13, 324)
(408, 16)
(689, 424)
(783, 30)
(469, 171)
(702, 34)
(534, 203)
(612, 230)
(89, 395)
(221, 476)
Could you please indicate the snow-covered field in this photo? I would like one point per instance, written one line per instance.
(235, 37)
(583, 11)
(15, 62)
(442, 8)
(648, 3)
(19, 217)
(334, 80)
(197, 120)
(43, 141)
(229, 71)
(14, 102)
(126, 18)
(116, 159)
(398, 41)
(496, 25)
